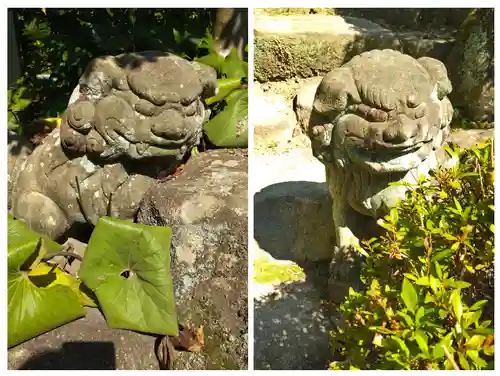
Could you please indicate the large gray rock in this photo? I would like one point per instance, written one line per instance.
(471, 65)
(207, 206)
(312, 45)
(302, 211)
(130, 117)
(371, 130)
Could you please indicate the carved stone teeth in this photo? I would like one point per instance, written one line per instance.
(352, 108)
(411, 101)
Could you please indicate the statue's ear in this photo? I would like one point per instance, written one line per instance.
(208, 78)
(335, 92)
(438, 74)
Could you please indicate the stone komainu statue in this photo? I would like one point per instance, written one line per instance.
(130, 117)
(380, 118)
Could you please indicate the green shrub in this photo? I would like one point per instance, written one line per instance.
(55, 45)
(429, 297)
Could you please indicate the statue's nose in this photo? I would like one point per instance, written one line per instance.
(169, 131)
(400, 131)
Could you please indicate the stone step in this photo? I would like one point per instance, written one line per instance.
(312, 45)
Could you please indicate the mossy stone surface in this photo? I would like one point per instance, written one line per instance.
(471, 67)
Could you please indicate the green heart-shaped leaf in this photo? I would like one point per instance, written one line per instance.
(127, 266)
(213, 59)
(234, 66)
(225, 86)
(229, 128)
(36, 301)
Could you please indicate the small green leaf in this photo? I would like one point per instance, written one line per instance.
(485, 324)
(418, 316)
(393, 215)
(434, 283)
(457, 205)
(442, 254)
(469, 318)
(475, 342)
(456, 302)
(463, 362)
(380, 330)
(20, 105)
(489, 351)
(479, 362)
(422, 340)
(484, 331)
(407, 318)
(177, 36)
(422, 281)
(429, 298)
(478, 305)
(457, 284)
(402, 345)
(442, 313)
(409, 295)
(439, 271)
(411, 276)
(438, 350)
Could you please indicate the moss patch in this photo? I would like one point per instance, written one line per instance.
(293, 11)
(266, 272)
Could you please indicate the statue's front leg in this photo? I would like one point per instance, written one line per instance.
(41, 214)
(345, 266)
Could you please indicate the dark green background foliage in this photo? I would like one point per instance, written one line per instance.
(429, 302)
(60, 42)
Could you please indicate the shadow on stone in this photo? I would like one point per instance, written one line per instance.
(86, 343)
(292, 328)
(75, 356)
(292, 221)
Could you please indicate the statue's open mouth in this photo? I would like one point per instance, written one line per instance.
(389, 158)
(380, 146)
(139, 150)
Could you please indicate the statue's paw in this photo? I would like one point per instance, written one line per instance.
(345, 271)
(41, 214)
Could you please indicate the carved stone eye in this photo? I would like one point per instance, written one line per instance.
(72, 140)
(190, 109)
(95, 143)
(80, 115)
